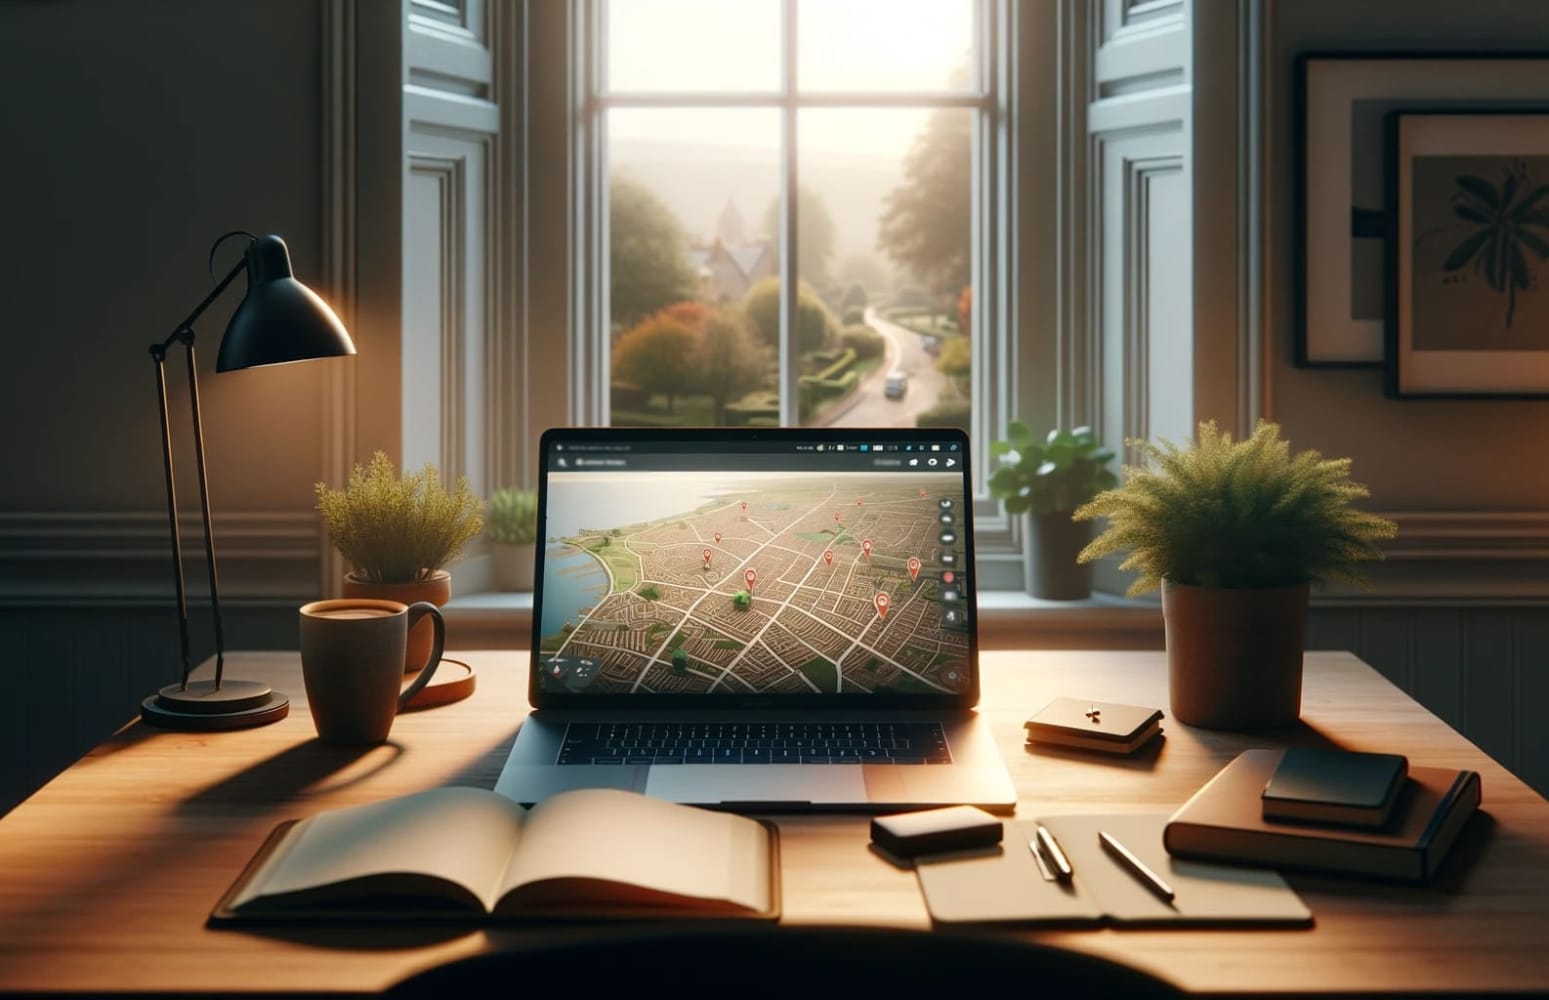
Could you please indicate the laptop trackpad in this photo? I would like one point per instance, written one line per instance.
(767, 784)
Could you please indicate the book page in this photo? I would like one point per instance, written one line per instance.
(461, 836)
(650, 853)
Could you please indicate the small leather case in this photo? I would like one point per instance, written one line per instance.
(1087, 725)
(931, 831)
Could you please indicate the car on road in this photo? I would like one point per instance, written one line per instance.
(930, 344)
(896, 385)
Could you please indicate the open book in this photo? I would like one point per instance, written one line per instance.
(470, 854)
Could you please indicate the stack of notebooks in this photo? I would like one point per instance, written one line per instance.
(1325, 810)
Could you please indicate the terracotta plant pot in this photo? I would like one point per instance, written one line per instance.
(513, 565)
(437, 590)
(1052, 571)
(1234, 656)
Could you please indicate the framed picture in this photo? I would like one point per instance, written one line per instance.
(1342, 100)
(1468, 254)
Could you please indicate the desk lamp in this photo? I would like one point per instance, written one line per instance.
(279, 320)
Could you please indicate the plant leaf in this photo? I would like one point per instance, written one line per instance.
(1525, 205)
(1532, 241)
(1518, 267)
(1481, 189)
(1467, 212)
(1464, 252)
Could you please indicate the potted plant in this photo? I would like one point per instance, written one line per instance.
(513, 528)
(398, 533)
(1048, 481)
(1235, 534)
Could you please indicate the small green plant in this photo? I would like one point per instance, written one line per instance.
(398, 530)
(1236, 514)
(513, 517)
(1063, 472)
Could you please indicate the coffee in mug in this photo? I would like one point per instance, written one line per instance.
(352, 652)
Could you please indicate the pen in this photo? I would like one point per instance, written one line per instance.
(1151, 879)
(1051, 850)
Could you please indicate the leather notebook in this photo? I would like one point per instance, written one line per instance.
(1004, 884)
(1341, 787)
(1224, 821)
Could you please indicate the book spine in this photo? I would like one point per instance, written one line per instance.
(1450, 819)
(1280, 850)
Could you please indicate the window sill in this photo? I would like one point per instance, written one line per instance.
(1007, 620)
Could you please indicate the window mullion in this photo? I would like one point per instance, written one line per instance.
(790, 399)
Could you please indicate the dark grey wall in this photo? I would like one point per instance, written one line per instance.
(133, 135)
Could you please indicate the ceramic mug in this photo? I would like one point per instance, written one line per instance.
(352, 653)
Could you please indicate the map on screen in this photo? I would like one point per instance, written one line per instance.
(738, 582)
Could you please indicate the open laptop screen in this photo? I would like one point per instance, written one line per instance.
(773, 566)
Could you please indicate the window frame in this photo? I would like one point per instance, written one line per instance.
(1030, 361)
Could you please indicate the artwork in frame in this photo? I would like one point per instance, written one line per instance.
(1342, 101)
(1468, 254)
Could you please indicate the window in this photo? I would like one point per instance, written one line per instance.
(726, 146)
(573, 172)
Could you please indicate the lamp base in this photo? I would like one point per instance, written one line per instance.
(203, 707)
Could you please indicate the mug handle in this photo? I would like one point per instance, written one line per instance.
(418, 610)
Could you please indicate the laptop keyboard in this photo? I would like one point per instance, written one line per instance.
(754, 743)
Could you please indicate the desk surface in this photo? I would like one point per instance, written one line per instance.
(107, 873)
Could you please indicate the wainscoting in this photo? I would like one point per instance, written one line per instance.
(1483, 670)
(76, 675)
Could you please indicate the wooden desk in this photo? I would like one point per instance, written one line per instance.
(107, 874)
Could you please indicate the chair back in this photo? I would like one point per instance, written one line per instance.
(794, 963)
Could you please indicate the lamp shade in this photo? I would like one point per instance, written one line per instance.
(279, 319)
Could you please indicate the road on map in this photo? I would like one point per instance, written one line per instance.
(905, 354)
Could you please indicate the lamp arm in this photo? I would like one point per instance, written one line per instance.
(159, 355)
(184, 333)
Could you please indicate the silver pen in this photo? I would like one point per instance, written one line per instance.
(1138, 868)
(1050, 849)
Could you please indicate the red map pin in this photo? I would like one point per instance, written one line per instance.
(882, 603)
(744, 505)
(750, 576)
(707, 557)
(836, 515)
(914, 568)
(922, 493)
(828, 556)
(718, 537)
(857, 501)
(866, 547)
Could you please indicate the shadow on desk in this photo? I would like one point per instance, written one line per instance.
(785, 962)
(315, 768)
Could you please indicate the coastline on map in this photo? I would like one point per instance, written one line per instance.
(574, 580)
(602, 503)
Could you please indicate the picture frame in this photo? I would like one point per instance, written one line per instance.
(1467, 213)
(1338, 226)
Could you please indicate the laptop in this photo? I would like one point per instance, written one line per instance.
(776, 619)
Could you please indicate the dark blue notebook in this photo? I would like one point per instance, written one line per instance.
(1341, 787)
